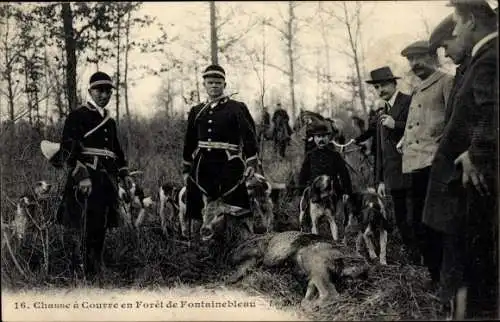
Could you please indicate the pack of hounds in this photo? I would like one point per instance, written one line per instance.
(318, 257)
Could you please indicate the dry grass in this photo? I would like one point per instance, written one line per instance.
(147, 259)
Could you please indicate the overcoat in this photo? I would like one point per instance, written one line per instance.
(472, 126)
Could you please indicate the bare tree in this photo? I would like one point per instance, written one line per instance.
(288, 34)
(349, 14)
(258, 62)
(213, 34)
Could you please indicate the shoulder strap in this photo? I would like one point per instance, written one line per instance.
(106, 118)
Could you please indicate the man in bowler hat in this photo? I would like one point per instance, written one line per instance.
(220, 148)
(389, 175)
(91, 149)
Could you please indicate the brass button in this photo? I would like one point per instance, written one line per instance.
(209, 121)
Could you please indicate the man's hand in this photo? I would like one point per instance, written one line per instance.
(85, 186)
(399, 146)
(345, 197)
(128, 182)
(185, 177)
(471, 174)
(381, 189)
(387, 121)
(380, 103)
(249, 171)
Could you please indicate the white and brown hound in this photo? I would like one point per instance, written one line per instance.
(260, 191)
(374, 221)
(32, 209)
(170, 193)
(318, 200)
(131, 200)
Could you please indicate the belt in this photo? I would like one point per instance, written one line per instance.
(99, 152)
(218, 145)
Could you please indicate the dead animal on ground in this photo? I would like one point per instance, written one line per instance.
(224, 228)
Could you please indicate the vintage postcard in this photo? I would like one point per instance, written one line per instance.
(272, 160)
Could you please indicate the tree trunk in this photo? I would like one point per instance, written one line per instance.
(213, 34)
(117, 97)
(125, 72)
(8, 70)
(27, 91)
(96, 49)
(263, 92)
(290, 56)
(354, 48)
(70, 46)
(198, 95)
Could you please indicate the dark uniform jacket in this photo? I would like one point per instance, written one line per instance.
(91, 148)
(389, 160)
(473, 127)
(220, 142)
(326, 160)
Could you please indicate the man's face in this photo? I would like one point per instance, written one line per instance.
(421, 64)
(101, 95)
(464, 28)
(455, 48)
(321, 139)
(214, 86)
(385, 90)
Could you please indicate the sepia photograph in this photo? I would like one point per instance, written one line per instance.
(253, 160)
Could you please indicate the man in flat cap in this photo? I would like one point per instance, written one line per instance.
(389, 175)
(468, 155)
(96, 160)
(424, 126)
(220, 148)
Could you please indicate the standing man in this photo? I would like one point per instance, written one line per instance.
(265, 124)
(220, 147)
(91, 149)
(390, 129)
(444, 207)
(468, 155)
(424, 126)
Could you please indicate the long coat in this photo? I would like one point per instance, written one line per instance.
(473, 126)
(389, 160)
(85, 129)
(220, 142)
